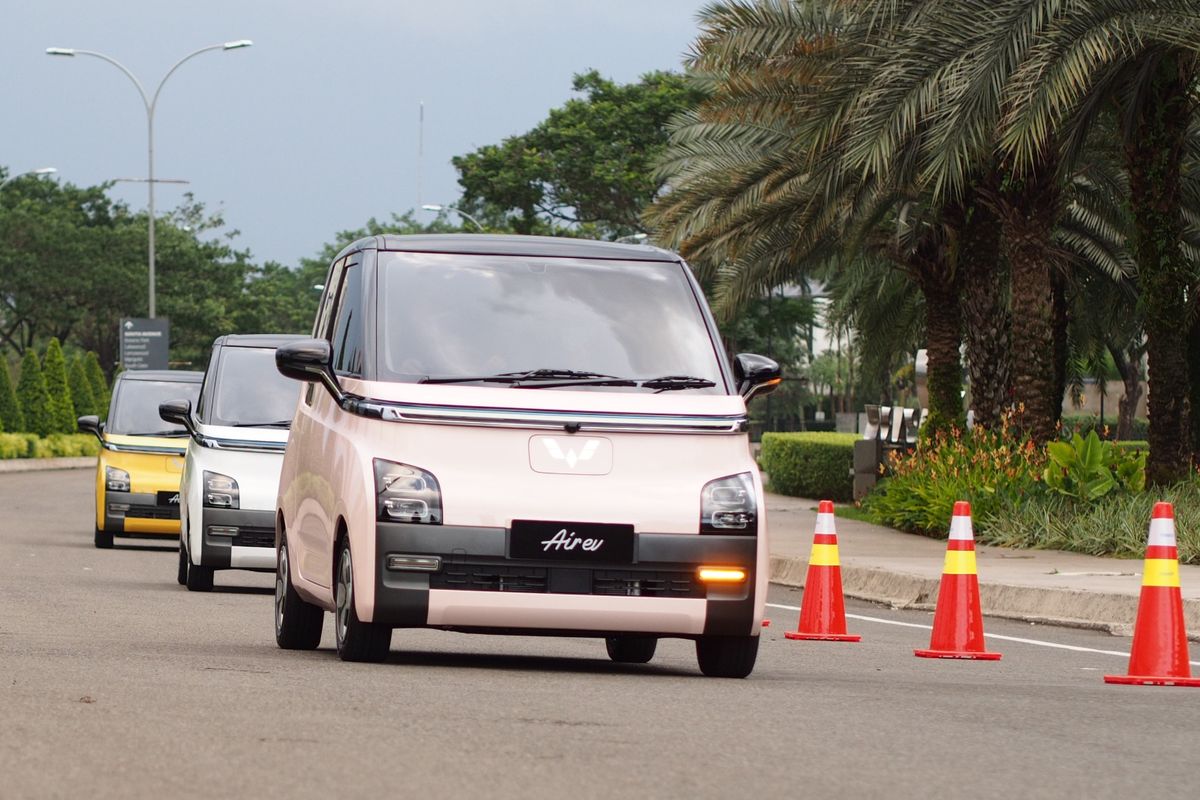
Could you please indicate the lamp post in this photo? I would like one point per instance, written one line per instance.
(38, 171)
(150, 102)
(455, 209)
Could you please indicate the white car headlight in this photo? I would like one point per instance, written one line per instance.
(116, 480)
(728, 505)
(404, 493)
(220, 491)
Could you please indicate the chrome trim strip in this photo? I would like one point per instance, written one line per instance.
(550, 420)
(241, 445)
(161, 451)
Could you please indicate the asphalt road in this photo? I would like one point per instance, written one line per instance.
(116, 682)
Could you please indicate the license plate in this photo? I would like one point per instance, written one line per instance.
(571, 541)
(168, 498)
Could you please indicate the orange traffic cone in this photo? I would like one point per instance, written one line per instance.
(958, 622)
(1160, 653)
(823, 612)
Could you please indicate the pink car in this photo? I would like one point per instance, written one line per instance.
(509, 434)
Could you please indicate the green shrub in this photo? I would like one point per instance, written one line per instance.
(1088, 468)
(16, 445)
(1083, 424)
(81, 389)
(33, 397)
(62, 407)
(11, 418)
(100, 388)
(991, 469)
(62, 445)
(1115, 525)
(816, 465)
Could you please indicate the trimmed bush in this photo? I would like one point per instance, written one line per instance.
(62, 407)
(816, 465)
(28, 445)
(33, 397)
(100, 389)
(81, 389)
(11, 418)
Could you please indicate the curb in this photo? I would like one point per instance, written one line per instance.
(1113, 613)
(40, 464)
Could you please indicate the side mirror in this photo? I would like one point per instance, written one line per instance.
(755, 375)
(178, 412)
(90, 424)
(309, 360)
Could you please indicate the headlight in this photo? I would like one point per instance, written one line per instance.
(220, 491)
(728, 505)
(406, 494)
(116, 480)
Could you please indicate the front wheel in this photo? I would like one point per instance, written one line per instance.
(631, 649)
(182, 574)
(103, 539)
(356, 640)
(297, 623)
(727, 656)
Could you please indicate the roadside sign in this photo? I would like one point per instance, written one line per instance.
(145, 342)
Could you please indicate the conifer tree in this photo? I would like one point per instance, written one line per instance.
(100, 390)
(33, 397)
(81, 389)
(62, 406)
(11, 418)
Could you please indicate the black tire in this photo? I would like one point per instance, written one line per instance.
(182, 575)
(298, 623)
(199, 579)
(356, 640)
(631, 649)
(104, 539)
(727, 656)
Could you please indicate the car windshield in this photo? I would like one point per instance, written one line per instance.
(443, 317)
(250, 391)
(135, 406)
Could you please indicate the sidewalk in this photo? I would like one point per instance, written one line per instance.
(901, 569)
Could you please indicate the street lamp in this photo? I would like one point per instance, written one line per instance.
(455, 209)
(150, 102)
(38, 171)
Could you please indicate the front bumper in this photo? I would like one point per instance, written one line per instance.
(247, 541)
(479, 587)
(139, 512)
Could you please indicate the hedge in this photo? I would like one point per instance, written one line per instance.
(59, 445)
(815, 465)
(1086, 423)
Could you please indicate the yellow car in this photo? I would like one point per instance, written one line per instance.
(141, 457)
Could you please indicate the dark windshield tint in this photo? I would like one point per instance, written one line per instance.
(250, 390)
(135, 406)
(448, 315)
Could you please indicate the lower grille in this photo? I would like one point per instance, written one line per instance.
(489, 578)
(638, 583)
(254, 537)
(152, 512)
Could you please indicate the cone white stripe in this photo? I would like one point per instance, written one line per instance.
(960, 529)
(1162, 532)
(825, 524)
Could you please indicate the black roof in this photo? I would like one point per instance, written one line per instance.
(177, 375)
(513, 245)
(256, 339)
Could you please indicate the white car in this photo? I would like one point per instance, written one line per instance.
(239, 431)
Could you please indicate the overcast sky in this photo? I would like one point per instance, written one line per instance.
(313, 129)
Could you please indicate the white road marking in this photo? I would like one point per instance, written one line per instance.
(1018, 639)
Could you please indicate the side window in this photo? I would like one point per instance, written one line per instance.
(347, 334)
(321, 326)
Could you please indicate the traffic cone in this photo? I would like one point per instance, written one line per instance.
(1159, 656)
(958, 622)
(823, 612)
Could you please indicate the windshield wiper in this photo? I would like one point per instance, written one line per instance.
(517, 377)
(668, 382)
(283, 423)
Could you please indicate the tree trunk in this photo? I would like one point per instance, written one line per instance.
(1029, 211)
(1128, 365)
(1062, 344)
(935, 276)
(1153, 152)
(986, 320)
